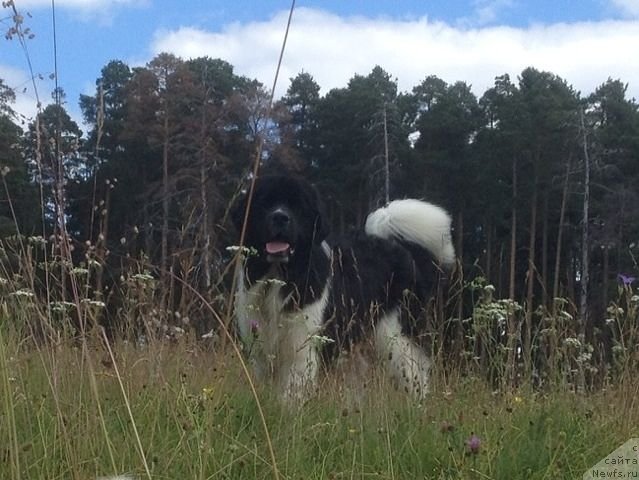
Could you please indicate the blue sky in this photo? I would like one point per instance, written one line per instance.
(584, 41)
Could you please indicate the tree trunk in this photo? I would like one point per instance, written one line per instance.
(489, 250)
(544, 253)
(459, 241)
(500, 271)
(386, 160)
(148, 230)
(460, 261)
(165, 200)
(585, 241)
(206, 231)
(606, 274)
(552, 342)
(513, 234)
(101, 246)
(571, 271)
(530, 278)
(512, 339)
(560, 231)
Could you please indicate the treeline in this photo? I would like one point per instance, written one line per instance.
(524, 169)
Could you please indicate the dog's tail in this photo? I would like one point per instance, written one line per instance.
(413, 221)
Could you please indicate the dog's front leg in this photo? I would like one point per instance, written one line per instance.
(300, 381)
(245, 309)
(303, 345)
(300, 359)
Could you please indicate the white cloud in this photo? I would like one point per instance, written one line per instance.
(627, 7)
(333, 48)
(18, 80)
(26, 103)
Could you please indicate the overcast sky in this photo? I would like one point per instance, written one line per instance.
(583, 41)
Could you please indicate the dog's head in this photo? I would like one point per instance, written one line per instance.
(284, 219)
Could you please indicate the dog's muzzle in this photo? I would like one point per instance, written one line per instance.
(280, 225)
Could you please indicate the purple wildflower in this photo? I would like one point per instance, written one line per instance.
(626, 280)
(473, 444)
(255, 327)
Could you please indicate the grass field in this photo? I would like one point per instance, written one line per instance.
(179, 411)
(76, 404)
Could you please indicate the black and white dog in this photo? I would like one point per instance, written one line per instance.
(301, 301)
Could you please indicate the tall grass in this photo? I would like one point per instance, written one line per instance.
(179, 410)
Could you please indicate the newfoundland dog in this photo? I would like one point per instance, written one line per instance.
(302, 299)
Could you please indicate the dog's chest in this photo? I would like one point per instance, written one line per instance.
(267, 303)
(277, 331)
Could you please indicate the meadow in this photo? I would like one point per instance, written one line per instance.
(85, 406)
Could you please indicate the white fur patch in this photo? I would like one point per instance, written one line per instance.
(422, 223)
(404, 360)
(282, 346)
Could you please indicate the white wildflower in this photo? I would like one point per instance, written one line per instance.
(211, 334)
(178, 330)
(618, 349)
(565, 315)
(584, 357)
(37, 240)
(93, 303)
(62, 306)
(23, 292)
(572, 342)
(321, 339)
(144, 277)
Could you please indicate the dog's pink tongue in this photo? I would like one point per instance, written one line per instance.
(276, 247)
